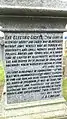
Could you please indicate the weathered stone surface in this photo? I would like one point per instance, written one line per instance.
(56, 109)
(32, 23)
(39, 3)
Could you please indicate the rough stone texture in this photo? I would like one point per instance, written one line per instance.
(40, 23)
(32, 23)
(44, 111)
(29, 67)
(36, 3)
(33, 8)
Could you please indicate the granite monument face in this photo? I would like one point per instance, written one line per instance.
(33, 65)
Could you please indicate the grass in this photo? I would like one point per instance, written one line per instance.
(1, 74)
(2, 118)
(1, 79)
(65, 88)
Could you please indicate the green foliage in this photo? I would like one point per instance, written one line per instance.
(1, 73)
(65, 88)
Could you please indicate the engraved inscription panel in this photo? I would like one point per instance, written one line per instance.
(33, 66)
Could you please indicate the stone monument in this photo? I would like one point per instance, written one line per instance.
(33, 66)
(33, 59)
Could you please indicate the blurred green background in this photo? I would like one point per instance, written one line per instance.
(1, 73)
(65, 88)
(1, 78)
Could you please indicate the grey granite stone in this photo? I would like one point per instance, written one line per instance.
(56, 4)
(35, 8)
(15, 23)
